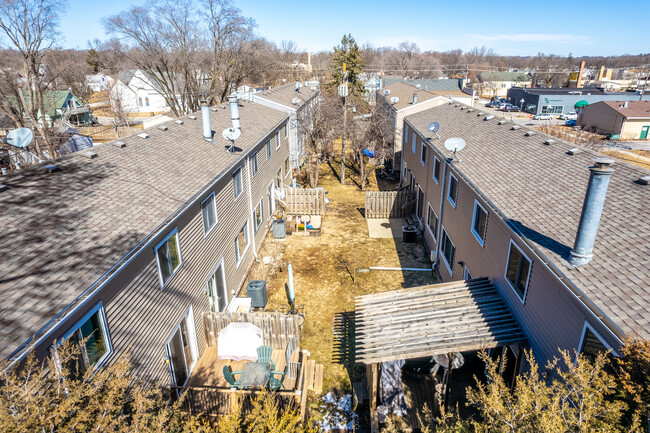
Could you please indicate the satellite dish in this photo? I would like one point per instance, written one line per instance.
(20, 138)
(386, 92)
(394, 100)
(454, 144)
(296, 101)
(231, 134)
(433, 126)
(239, 94)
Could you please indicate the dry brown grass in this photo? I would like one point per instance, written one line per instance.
(636, 157)
(326, 276)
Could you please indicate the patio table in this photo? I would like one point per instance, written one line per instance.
(255, 374)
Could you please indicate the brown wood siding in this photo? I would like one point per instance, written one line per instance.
(140, 316)
(551, 316)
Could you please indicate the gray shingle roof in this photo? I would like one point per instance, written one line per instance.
(285, 94)
(541, 190)
(61, 231)
(503, 76)
(405, 94)
(447, 84)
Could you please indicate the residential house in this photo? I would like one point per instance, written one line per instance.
(453, 88)
(564, 99)
(627, 120)
(139, 92)
(370, 87)
(97, 82)
(298, 101)
(62, 107)
(496, 84)
(134, 241)
(399, 100)
(508, 207)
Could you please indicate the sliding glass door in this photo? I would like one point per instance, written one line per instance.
(181, 350)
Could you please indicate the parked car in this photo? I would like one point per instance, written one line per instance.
(570, 122)
(545, 116)
(569, 115)
(509, 107)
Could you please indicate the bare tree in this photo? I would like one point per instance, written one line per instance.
(31, 27)
(116, 103)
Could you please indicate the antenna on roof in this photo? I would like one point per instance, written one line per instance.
(394, 100)
(455, 144)
(386, 92)
(296, 101)
(298, 86)
(21, 138)
(234, 132)
(433, 127)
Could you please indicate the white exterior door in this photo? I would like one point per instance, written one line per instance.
(181, 350)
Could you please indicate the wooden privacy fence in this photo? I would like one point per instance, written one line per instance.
(390, 204)
(305, 201)
(277, 328)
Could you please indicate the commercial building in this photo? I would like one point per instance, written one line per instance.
(564, 100)
(627, 120)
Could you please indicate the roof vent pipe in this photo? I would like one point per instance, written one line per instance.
(415, 98)
(234, 111)
(592, 209)
(251, 98)
(625, 104)
(205, 116)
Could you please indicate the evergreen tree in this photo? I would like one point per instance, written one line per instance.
(348, 53)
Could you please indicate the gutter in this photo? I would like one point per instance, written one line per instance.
(80, 301)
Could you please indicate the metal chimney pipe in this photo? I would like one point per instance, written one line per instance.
(205, 117)
(592, 209)
(251, 98)
(415, 98)
(234, 111)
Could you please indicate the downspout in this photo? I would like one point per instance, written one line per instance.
(442, 207)
(250, 205)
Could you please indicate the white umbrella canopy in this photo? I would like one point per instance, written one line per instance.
(239, 341)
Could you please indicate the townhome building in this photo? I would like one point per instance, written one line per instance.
(129, 244)
(298, 100)
(398, 101)
(524, 210)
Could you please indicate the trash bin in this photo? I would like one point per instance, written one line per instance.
(408, 234)
(256, 290)
(279, 229)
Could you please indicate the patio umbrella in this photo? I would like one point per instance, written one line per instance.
(239, 341)
(581, 103)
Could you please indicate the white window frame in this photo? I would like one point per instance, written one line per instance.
(530, 269)
(287, 164)
(423, 153)
(437, 161)
(405, 171)
(442, 253)
(467, 273)
(581, 342)
(216, 218)
(254, 166)
(189, 314)
(414, 143)
(235, 174)
(239, 255)
(223, 280)
(277, 140)
(474, 232)
(173, 232)
(98, 308)
(432, 233)
(254, 216)
(268, 149)
(406, 133)
(286, 131)
(453, 203)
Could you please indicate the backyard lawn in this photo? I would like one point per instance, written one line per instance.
(327, 276)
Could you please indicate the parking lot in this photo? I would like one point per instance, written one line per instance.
(517, 117)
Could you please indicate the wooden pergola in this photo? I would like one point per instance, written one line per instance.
(459, 316)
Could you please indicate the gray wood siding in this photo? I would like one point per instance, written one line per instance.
(140, 316)
(551, 316)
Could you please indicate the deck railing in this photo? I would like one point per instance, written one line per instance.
(278, 329)
(216, 401)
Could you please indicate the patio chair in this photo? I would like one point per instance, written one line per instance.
(275, 384)
(230, 376)
(264, 354)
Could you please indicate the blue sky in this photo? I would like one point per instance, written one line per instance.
(511, 28)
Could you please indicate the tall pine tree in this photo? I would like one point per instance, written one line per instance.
(348, 53)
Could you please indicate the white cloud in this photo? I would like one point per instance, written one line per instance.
(533, 37)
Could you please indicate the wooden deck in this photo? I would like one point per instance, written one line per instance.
(419, 389)
(208, 370)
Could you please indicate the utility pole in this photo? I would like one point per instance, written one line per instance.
(344, 93)
(645, 81)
